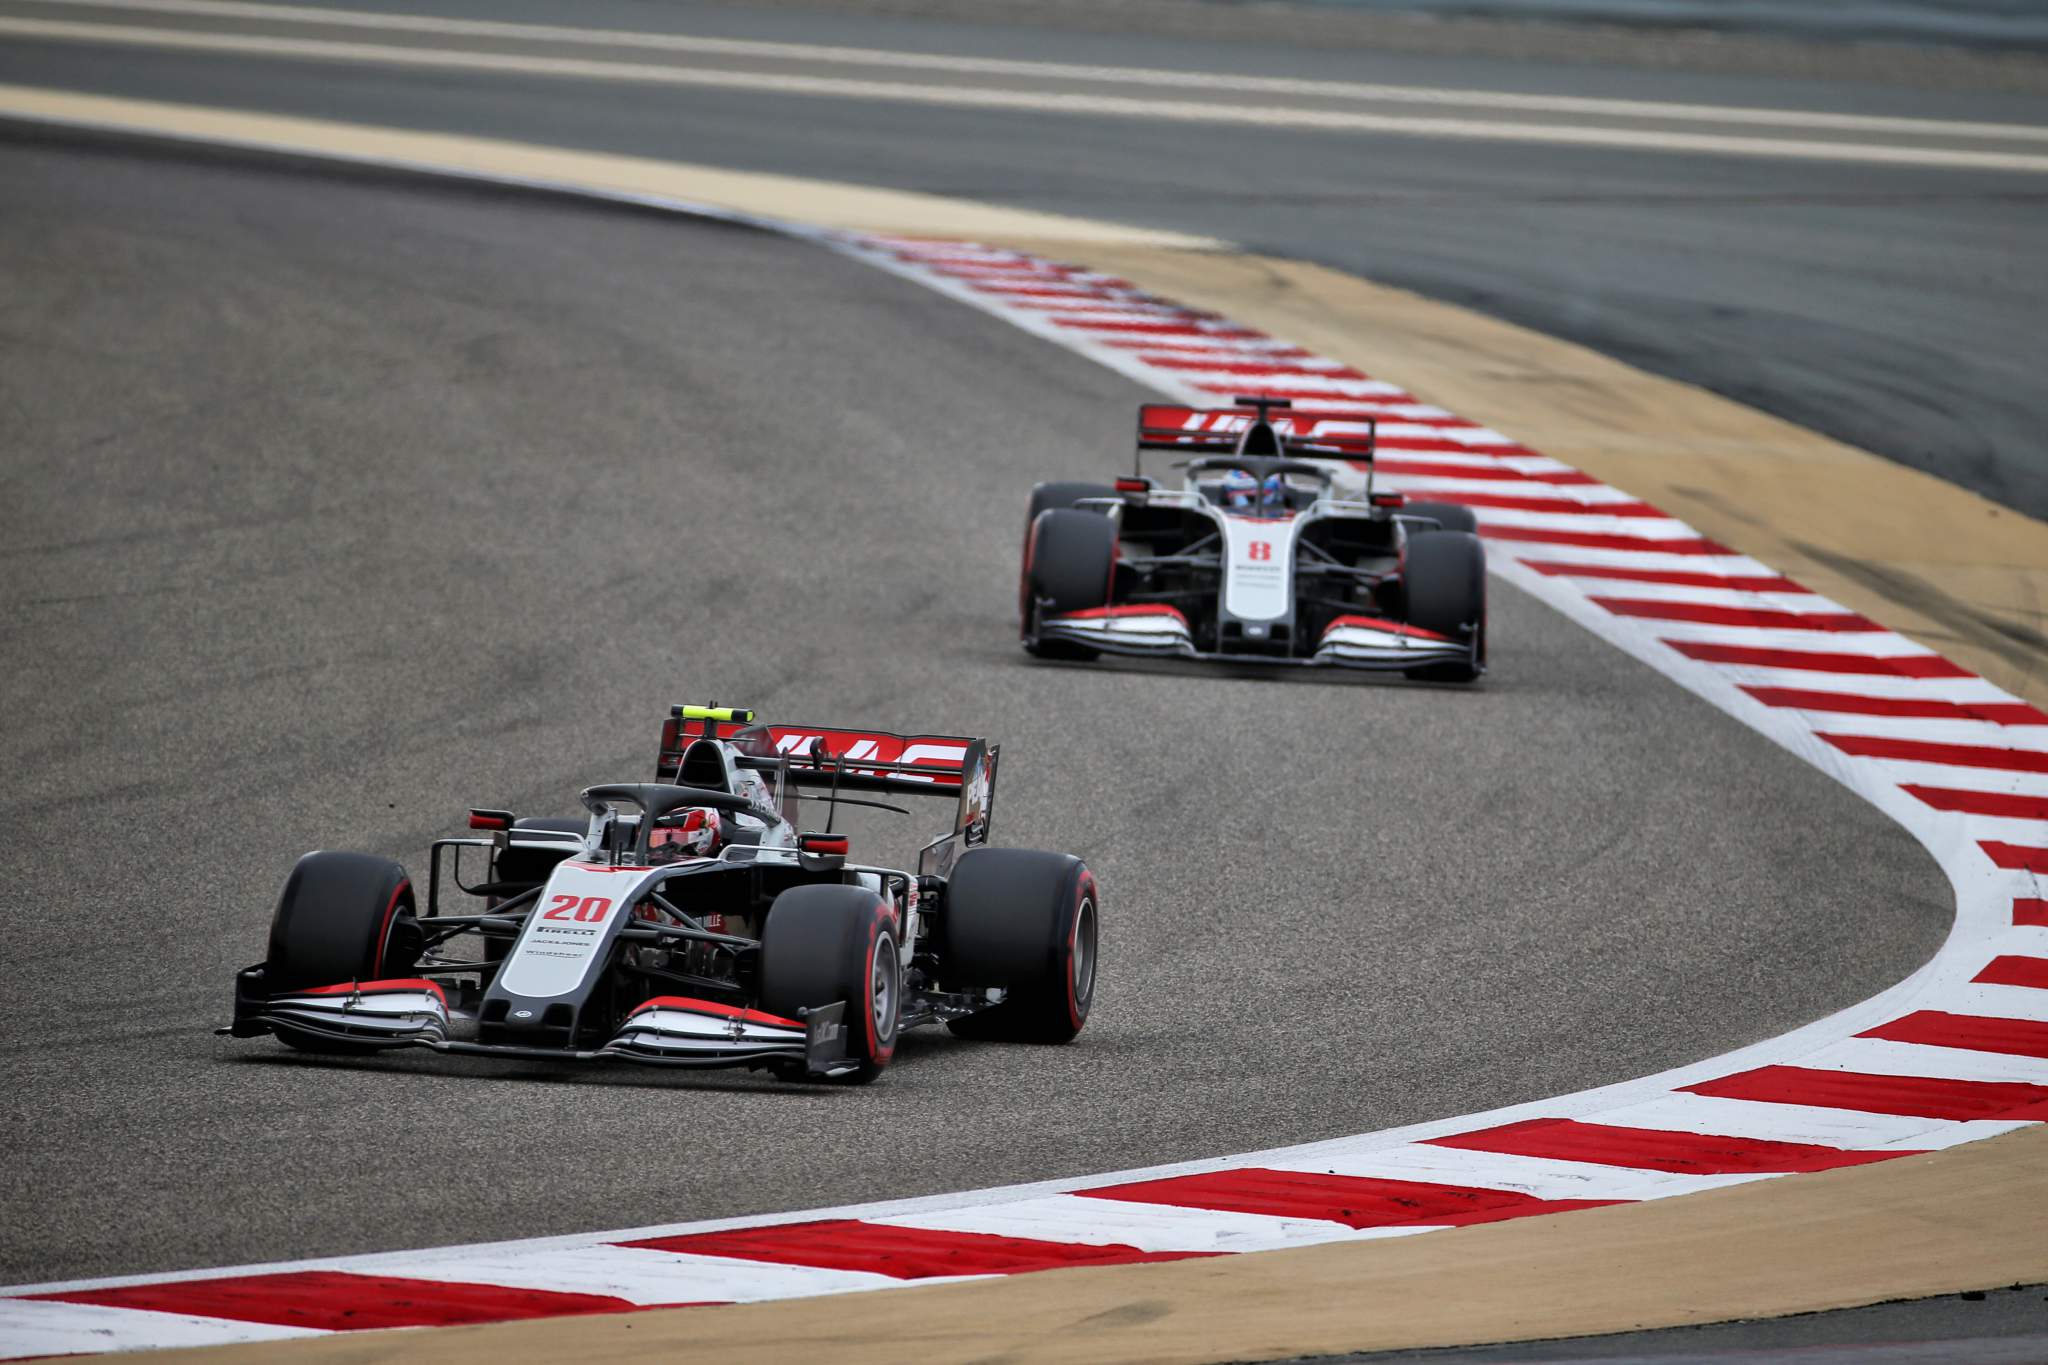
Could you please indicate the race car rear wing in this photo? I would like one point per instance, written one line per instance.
(820, 758)
(1298, 433)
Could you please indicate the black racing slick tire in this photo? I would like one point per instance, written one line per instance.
(341, 917)
(1027, 922)
(1450, 516)
(824, 944)
(1071, 561)
(1445, 579)
(1045, 497)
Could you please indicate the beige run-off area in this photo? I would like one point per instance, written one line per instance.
(1963, 575)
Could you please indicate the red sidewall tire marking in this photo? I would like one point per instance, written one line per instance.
(1084, 894)
(384, 930)
(877, 1053)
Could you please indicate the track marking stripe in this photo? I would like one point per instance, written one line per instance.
(1935, 1028)
(1835, 621)
(1659, 1150)
(1921, 1096)
(1354, 1201)
(1999, 805)
(1899, 665)
(333, 1300)
(1951, 755)
(2016, 857)
(1997, 713)
(903, 1253)
(2011, 970)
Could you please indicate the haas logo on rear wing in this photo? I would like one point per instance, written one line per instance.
(1174, 426)
(871, 760)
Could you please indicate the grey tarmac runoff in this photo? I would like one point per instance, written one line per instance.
(348, 500)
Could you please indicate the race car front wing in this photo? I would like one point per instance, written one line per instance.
(665, 1031)
(1363, 642)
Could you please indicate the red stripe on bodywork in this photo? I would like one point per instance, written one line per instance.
(337, 1301)
(1997, 713)
(1677, 578)
(2010, 970)
(1760, 618)
(375, 988)
(712, 1007)
(1930, 751)
(1973, 1032)
(1355, 1201)
(1927, 1097)
(1381, 623)
(2015, 857)
(1689, 545)
(2030, 910)
(1876, 665)
(905, 1253)
(1112, 613)
(2003, 805)
(1654, 1149)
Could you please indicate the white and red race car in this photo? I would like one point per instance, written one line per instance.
(691, 921)
(1257, 557)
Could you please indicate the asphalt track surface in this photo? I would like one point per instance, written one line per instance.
(1897, 308)
(339, 502)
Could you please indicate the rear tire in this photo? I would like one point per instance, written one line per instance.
(1027, 922)
(1071, 560)
(341, 917)
(823, 944)
(1445, 584)
(1453, 516)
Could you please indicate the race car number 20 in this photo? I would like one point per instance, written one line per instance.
(584, 909)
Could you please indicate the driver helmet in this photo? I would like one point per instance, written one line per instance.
(1240, 489)
(693, 833)
(1273, 494)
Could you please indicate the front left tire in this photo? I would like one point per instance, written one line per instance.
(823, 944)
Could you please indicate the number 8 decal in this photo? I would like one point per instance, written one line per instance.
(1262, 549)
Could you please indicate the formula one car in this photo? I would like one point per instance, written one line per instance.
(1256, 558)
(690, 921)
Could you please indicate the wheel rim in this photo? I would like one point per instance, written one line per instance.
(1084, 951)
(882, 983)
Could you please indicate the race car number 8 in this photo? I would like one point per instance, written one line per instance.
(1262, 549)
(583, 908)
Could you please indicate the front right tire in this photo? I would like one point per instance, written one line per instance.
(341, 917)
(1071, 561)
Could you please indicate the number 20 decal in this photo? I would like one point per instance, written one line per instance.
(1261, 549)
(583, 908)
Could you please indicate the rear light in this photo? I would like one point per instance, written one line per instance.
(825, 845)
(1388, 499)
(1129, 484)
(490, 819)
